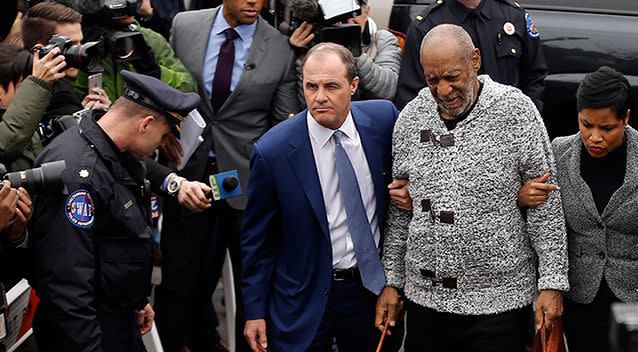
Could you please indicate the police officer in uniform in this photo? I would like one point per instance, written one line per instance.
(504, 33)
(93, 244)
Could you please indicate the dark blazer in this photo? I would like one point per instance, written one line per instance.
(265, 94)
(599, 245)
(286, 249)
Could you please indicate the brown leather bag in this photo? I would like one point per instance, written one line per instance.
(555, 342)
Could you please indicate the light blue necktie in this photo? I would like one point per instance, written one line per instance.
(370, 268)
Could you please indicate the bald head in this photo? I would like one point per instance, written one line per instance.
(447, 39)
(450, 66)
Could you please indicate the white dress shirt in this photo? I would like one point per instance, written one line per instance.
(323, 149)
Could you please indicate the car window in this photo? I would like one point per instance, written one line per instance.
(623, 6)
(593, 5)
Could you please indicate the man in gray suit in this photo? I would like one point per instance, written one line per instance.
(245, 73)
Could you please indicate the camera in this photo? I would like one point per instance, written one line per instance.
(326, 18)
(85, 56)
(48, 130)
(126, 45)
(44, 179)
(623, 332)
(116, 9)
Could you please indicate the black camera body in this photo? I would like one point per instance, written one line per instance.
(326, 29)
(116, 9)
(85, 56)
(49, 130)
(44, 179)
(126, 45)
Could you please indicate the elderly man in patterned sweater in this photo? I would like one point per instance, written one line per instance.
(467, 257)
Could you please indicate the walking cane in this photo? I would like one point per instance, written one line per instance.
(385, 330)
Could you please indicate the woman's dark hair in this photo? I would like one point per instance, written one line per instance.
(15, 64)
(604, 88)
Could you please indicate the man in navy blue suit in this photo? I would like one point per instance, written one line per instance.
(314, 219)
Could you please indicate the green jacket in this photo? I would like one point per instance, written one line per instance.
(19, 140)
(174, 73)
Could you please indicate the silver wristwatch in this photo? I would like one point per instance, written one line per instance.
(173, 185)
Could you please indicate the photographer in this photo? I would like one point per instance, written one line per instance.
(23, 101)
(151, 55)
(380, 60)
(15, 213)
(40, 23)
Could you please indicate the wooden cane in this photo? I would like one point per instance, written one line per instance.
(385, 330)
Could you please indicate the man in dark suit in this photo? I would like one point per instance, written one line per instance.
(314, 218)
(245, 73)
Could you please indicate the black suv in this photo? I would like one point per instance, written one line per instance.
(578, 37)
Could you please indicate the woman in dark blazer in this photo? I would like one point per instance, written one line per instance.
(597, 172)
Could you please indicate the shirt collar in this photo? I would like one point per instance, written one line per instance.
(461, 12)
(322, 135)
(220, 25)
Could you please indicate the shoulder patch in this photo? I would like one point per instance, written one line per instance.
(79, 209)
(532, 32)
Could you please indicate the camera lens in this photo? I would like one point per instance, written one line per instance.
(125, 48)
(85, 56)
(47, 177)
(230, 183)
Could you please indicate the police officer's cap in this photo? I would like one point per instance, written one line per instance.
(156, 95)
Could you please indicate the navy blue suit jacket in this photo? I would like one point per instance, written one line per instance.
(285, 245)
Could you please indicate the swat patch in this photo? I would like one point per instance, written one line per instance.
(79, 209)
(531, 27)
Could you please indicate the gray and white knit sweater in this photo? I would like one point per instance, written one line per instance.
(490, 248)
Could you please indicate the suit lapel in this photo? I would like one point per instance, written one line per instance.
(630, 183)
(371, 144)
(257, 51)
(200, 41)
(302, 161)
(573, 170)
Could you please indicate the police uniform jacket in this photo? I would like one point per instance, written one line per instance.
(92, 246)
(467, 248)
(504, 33)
